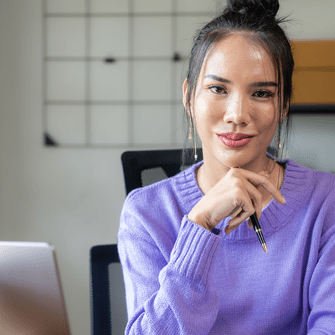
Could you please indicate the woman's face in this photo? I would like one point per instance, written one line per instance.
(235, 105)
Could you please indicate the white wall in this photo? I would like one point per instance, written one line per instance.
(69, 198)
(72, 198)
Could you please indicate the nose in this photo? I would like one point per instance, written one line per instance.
(237, 110)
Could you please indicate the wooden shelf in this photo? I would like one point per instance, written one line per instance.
(314, 75)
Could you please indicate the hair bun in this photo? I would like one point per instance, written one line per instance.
(267, 8)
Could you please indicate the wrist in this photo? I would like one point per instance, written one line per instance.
(214, 230)
(199, 220)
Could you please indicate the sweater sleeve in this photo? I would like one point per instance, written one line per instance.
(322, 286)
(168, 294)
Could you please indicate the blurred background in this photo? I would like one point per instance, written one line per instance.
(82, 81)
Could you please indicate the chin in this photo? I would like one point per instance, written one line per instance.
(242, 160)
(235, 159)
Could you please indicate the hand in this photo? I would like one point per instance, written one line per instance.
(236, 192)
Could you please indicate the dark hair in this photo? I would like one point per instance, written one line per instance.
(256, 19)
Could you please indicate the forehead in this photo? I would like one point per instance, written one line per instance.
(237, 56)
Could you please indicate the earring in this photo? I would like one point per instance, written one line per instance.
(279, 147)
(190, 132)
(195, 143)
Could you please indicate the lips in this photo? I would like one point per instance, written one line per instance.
(235, 136)
(235, 140)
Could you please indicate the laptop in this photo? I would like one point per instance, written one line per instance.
(31, 296)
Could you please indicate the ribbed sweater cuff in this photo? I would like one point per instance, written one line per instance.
(195, 251)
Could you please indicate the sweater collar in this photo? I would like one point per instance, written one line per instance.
(274, 215)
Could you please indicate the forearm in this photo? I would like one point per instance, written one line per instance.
(180, 297)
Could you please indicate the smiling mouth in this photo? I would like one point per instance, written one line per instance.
(233, 140)
(235, 136)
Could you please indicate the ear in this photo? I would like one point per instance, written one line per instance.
(185, 91)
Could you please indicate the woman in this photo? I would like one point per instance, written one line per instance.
(184, 277)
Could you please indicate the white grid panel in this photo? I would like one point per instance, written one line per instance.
(111, 78)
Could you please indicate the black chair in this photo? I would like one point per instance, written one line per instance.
(108, 307)
(143, 168)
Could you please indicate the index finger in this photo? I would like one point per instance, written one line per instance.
(260, 180)
(272, 189)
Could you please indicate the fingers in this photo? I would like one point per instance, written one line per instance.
(237, 195)
(261, 180)
(273, 190)
(235, 212)
(252, 198)
(247, 207)
(256, 199)
(234, 223)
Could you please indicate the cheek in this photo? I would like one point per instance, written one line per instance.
(203, 112)
(270, 124)
(268, 119)
(266, 122)
(201, 105)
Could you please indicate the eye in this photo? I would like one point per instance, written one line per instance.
(217, 89)
(263, 94)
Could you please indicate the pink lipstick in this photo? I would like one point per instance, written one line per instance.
(235, 140)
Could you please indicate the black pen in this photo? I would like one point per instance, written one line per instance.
(258, 231)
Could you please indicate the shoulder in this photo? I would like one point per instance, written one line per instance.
(325, 180)
(310, 197)
(154, 213)
(176, 188)
(313, 182)
(168, 197)
(156, 192)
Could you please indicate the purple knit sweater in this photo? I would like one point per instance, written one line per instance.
(183, 279)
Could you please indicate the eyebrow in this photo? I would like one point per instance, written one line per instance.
(257, 84)
(213, 76)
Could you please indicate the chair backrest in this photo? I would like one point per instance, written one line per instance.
(108, 306)
(141, 168)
